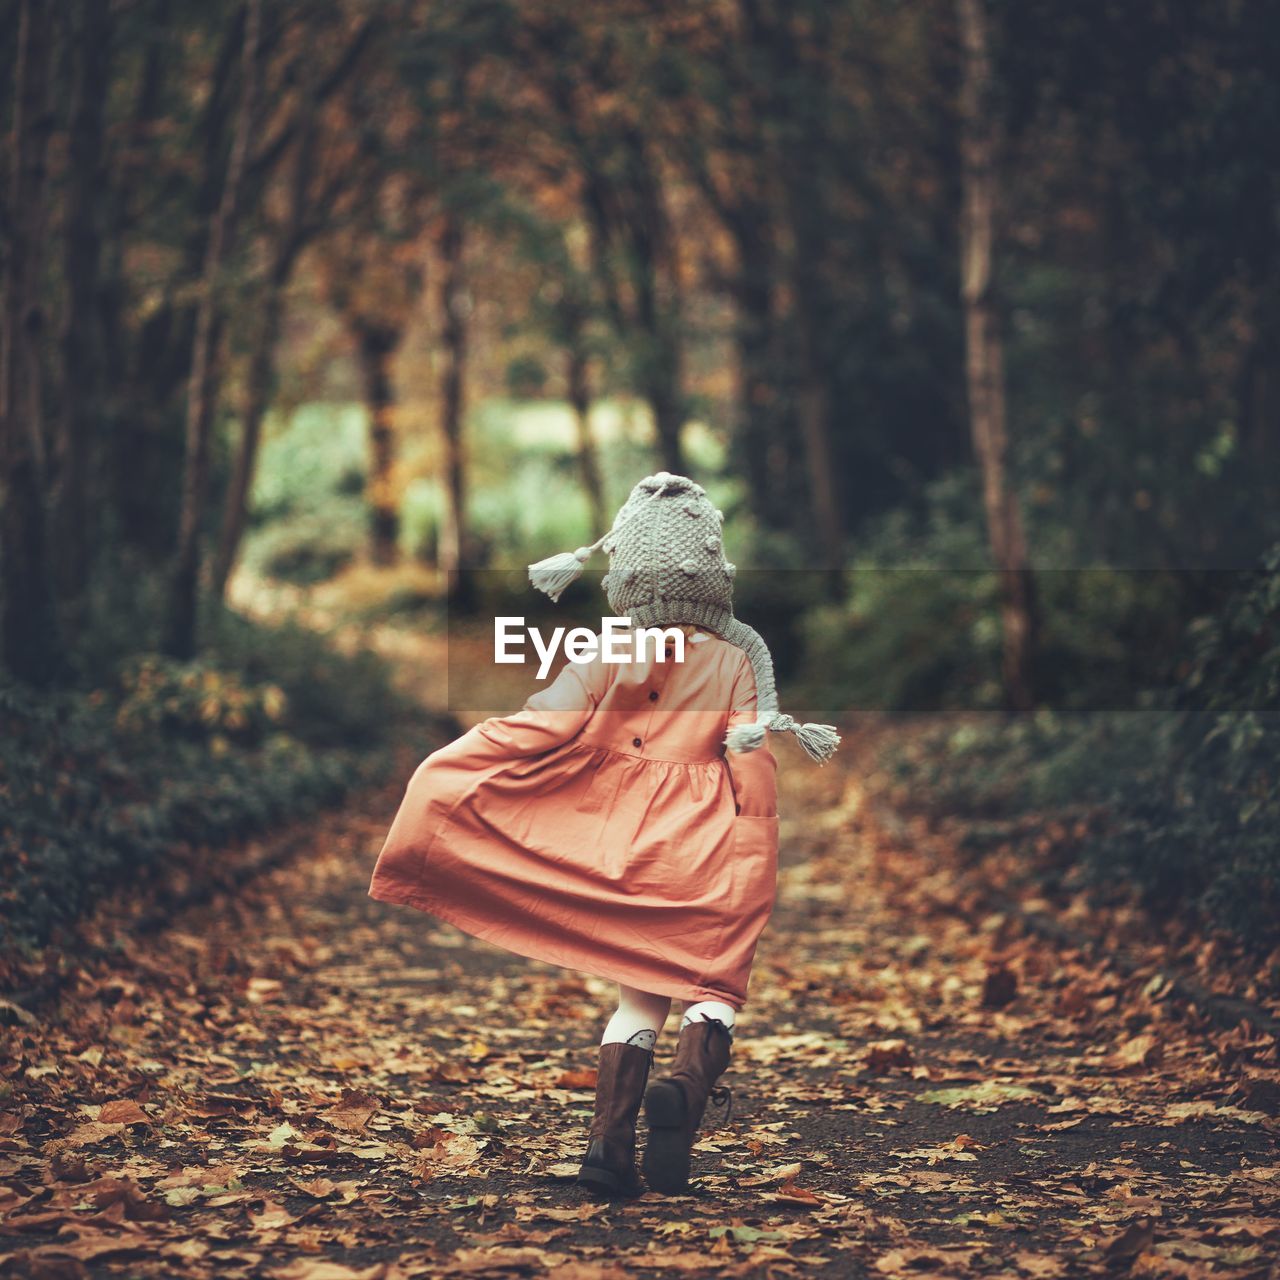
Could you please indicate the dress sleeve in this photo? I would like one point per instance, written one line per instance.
(550, 718)
(752, 773)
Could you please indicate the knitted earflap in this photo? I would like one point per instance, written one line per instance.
(818, 741)
(664, 575)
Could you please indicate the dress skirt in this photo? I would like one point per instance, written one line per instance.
(603, 828)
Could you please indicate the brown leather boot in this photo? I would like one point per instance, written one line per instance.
(675, 1104)
(609, 1167)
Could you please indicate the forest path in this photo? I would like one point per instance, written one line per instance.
(298, 1082)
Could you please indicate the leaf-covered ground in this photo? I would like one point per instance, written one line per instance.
(295, 1081)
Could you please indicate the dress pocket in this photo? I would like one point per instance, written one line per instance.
(755, 856)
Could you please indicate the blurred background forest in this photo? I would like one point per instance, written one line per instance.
(967, 312)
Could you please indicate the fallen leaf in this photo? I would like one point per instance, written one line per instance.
(122, 1111)
(917, 1259)
(1140, 1051)
(317, 1188)
(782, 1173)
(1039, 1266)
(887, 1055)
(984, 1097)
(585, 1079)
(999, 987)
(319, 1269)
(1133, 1240)
(281, 1134)
(352, 1111)
(271, 1217)
(797, 1195)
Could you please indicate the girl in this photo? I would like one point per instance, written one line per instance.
(623, 824)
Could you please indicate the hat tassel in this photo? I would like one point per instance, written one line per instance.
(745, 737)
(818, 741)
(554, 574)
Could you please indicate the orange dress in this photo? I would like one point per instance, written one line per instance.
(604, 828)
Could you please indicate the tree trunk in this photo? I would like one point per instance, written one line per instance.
(128, 434)
(804, 98)
(1258, 386)
(666, 404)
(760, 440)
(82, 408)
(259, 384)
(626, 209)
(588, 455)
(984, 357)
(813, 411)
(146, 455)
(750, 213)
(180, 640)
(375, 345)
(31, 643)
(454, 304)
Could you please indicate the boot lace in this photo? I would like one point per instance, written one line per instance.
(722, 1096)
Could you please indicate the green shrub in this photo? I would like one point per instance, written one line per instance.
(334, 699)
(195, 701)
(120, 783)
(919, 627)
(308, 548)
(89, 805)
(1190, 786)
(1211, 833)
(320, 451)
(526, 377)
(309, 517)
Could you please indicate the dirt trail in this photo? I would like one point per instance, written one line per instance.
(300, 1082)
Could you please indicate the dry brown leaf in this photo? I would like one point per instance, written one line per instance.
(271, 1217)
(352, 1111)
(797, 1195)
(782, 1173)
(888, 1055)
(585, 1079)
(92, 1133)
(1133, 1240)
(1158, 1266)
(999, 987)
(316, 1188)
(1039, 1266)
(87, 1244)
(918, 1259)
(321, 1269)
(1140, 1051)
(129, 1195)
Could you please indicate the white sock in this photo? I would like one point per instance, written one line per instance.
(705, 1009)
(640, 1017)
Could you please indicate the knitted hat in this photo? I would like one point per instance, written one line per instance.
(667, 567)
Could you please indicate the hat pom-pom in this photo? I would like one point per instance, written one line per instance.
(745, 737)
(818, 740)
(556, 572)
